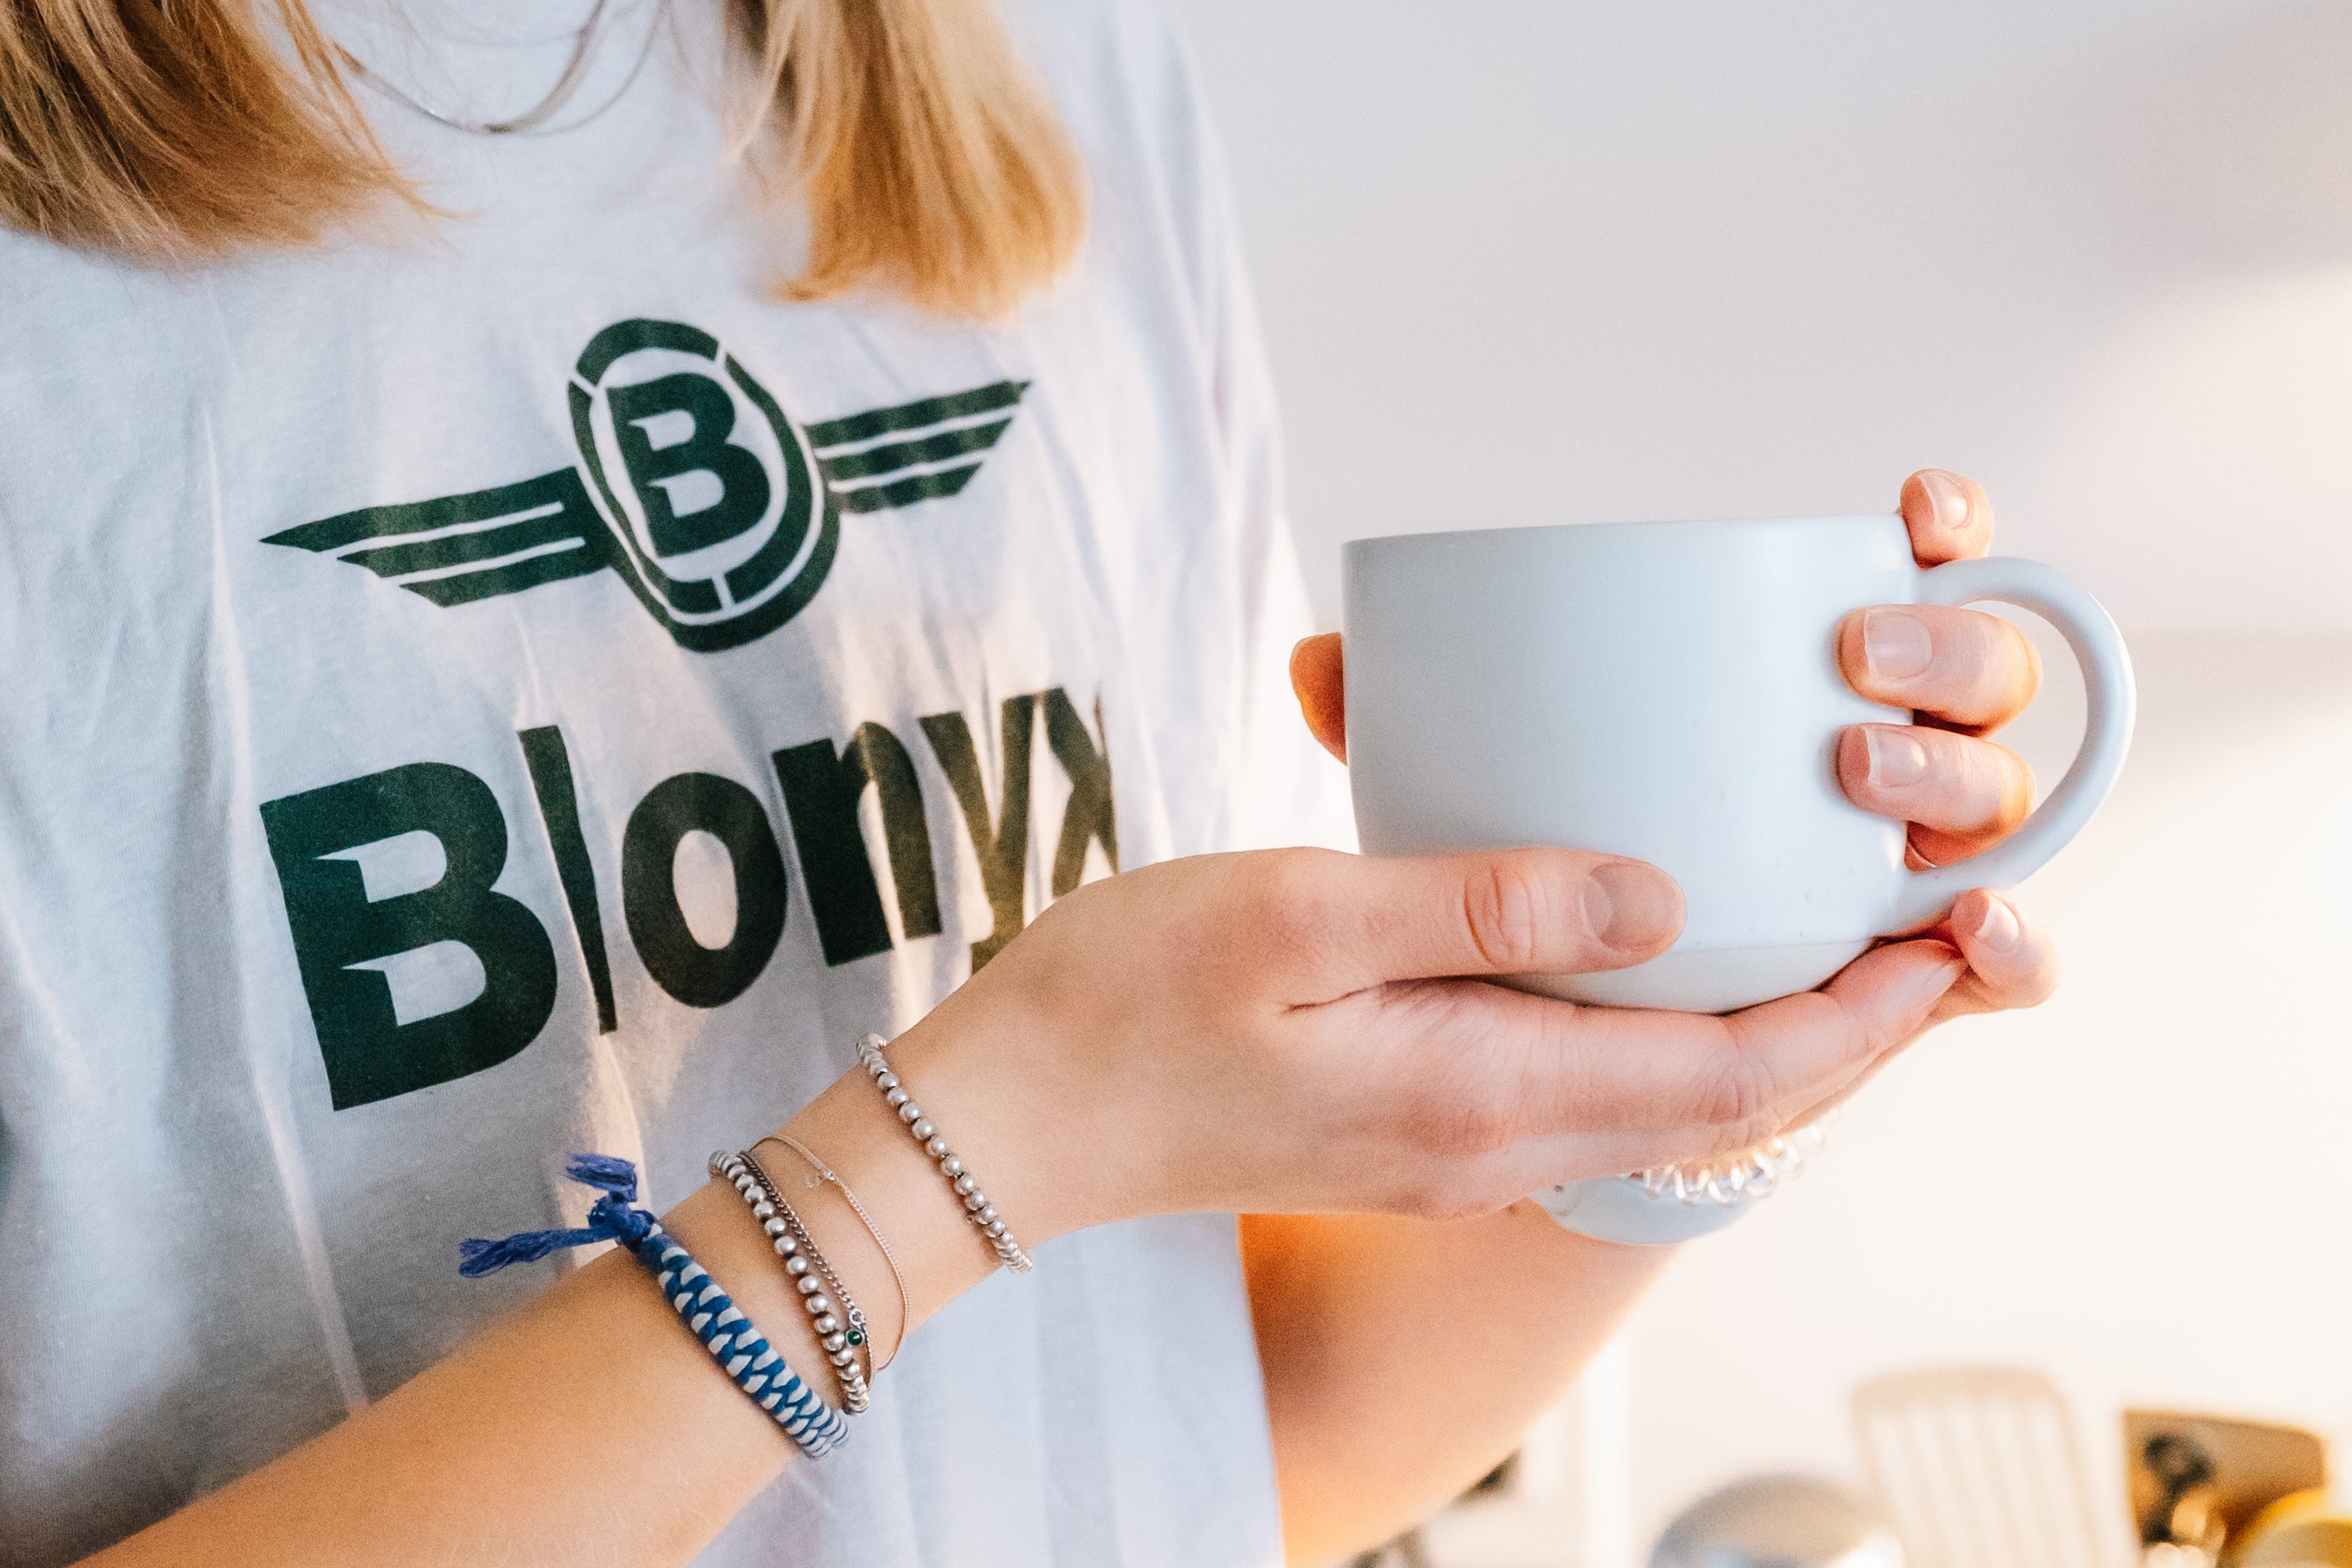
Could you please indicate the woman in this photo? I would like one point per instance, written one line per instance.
(563, 570)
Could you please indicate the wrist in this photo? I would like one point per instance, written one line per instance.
(915, 1231)
(713, 1224)
(994, 1078)
(965, 1069)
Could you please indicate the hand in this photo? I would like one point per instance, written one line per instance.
(1300, 1031)
(1965, 674)
(1290, 1031)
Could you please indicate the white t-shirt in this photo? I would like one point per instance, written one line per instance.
(516, 689)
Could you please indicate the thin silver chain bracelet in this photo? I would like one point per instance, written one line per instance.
(825, 1172)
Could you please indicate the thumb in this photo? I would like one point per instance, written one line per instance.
(1510, 911)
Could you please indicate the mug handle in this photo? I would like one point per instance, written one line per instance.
(2112, 704)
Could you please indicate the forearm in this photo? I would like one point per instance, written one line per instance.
(591, 1428)
(1226, 1032)
(1404, 1358)
(587, 1427)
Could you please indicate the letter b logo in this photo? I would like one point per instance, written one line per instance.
(673, 432)
(370, 1053)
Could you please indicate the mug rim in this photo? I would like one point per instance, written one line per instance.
(1824, 521)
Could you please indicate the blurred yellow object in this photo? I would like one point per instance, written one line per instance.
(2302, 1530)
(2200, 1481)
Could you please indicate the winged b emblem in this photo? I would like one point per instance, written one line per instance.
(720, 512)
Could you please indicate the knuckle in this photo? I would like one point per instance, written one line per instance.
(1993, 671)
(1997, 783)
(1453, 1124)
(1504, 906)
(1975, 676)
(2029, 985)
(2016, 790)
(1450, 1197)
(1965, 653)
(1738, 1097)
(1865, 1037)
(2032, 992)
(1460, 1100)
(1292, 907)
(1478, 1128)
(2021, 664)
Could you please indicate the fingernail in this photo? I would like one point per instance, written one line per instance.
(1999, 929)
(1630, 905)
(1895, 759)
(1950, 502)
(1896, 645)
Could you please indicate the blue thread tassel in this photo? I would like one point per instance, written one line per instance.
(612, 1219)
(741, 1351)
(610, 1172)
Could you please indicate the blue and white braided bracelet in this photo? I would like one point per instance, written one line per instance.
(738, 1347)
(734, 1342)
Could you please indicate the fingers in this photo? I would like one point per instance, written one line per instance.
(1658, 1085)
(1948, 515)
(1967, 668)
(1554, 911)
(1539, 1091)
(1318, 676)
(1801, 1054)
(1961, 794)
(2012, 961)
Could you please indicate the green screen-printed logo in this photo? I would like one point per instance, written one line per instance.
(720, 512)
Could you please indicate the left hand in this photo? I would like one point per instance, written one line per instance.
(1964, 674)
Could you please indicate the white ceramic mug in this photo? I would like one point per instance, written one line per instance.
(1670, 691)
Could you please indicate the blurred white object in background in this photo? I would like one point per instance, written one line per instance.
(1977, 1467)
(1780, 1521)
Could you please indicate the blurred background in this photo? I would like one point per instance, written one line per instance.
(1525, 263)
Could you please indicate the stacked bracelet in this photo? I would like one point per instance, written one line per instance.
(976, 1207)
(738, 1347)
(811, 1276)
(741, 1349)
(825, 1174)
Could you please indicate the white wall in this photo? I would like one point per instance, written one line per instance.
(1526, 262)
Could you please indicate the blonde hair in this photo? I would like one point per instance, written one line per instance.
(930, 160)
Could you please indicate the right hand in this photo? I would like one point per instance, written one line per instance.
(1299, 1031)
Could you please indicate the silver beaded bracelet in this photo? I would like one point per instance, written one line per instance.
(976, 1207)
(855, 1336)
(811, 1275)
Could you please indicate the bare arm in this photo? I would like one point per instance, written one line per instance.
(589, 1428)
(1243, 1032)
(1485, 1321)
